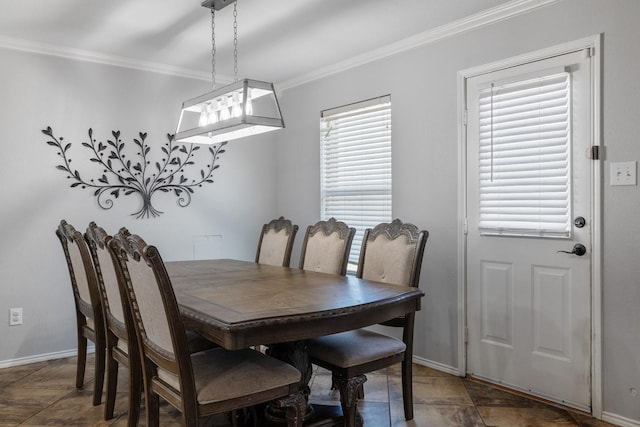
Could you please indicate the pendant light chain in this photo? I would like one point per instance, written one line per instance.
(235, 41)
(213, 49)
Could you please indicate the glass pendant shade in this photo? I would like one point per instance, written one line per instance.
(246, 107)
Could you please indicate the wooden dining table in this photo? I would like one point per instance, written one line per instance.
(239, 304)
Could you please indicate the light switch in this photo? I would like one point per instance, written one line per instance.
(623, 173)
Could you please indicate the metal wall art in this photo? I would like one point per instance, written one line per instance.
(125, 171)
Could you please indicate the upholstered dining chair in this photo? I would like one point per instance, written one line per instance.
(89, 315)
(326, 247)
(390, 253)
(120, 339)
(205, 383)
(121, 342)
(276, 242)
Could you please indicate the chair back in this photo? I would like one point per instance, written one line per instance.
(157, 321)
(112, 304)
(326, 247)
(276, 242)
(392, 253)
(83, 277)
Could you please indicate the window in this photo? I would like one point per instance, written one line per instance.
(355, 144)
(525, 157)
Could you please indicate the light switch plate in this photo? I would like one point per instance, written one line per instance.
(15, 316)
(623, 173)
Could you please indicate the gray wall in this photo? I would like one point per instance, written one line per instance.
(38, 91)
(275, 174)
(423, 87)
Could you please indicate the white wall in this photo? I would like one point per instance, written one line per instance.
(37, 91)
(422, 84)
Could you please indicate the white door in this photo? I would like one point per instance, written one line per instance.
(528, 197)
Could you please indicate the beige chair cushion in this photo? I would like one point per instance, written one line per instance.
(110, 284)
(222, 374)
(324, 253)
(354, 348)
(273, 247)
(150, 305)
(389, 261)
(79, 273)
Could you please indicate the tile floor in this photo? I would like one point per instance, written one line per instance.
(43, 394)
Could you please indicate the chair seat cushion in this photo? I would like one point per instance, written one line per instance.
(354, 348)
(222, 374)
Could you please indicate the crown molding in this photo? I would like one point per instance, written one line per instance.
(99, 58)
(487, 17)
(490, 16)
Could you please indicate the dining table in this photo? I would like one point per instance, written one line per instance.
(240, 304)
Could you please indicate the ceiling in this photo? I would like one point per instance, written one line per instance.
(278, 41)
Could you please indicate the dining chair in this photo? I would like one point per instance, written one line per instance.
(200, 384)
(326, 247)
(391, 253)
(120, 339)
(88, 306)
(276, 242)
(121, 342)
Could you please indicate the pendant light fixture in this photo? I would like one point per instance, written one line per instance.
(243, 108)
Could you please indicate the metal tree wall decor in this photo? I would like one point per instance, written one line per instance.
(124, 171)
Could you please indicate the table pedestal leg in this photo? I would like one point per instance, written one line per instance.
(295, 354)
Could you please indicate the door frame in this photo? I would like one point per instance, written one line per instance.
(594, 43)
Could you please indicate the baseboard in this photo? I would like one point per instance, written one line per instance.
(436, 365)
(619, 420)
(42, 357)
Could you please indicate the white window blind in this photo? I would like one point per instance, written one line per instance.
(355, 145)
(525, 165)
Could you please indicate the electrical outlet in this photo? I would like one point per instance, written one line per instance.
(623, 173)
(15, 316)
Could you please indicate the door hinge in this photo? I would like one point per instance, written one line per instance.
(465, 116)
(466, 335)
(594, 153)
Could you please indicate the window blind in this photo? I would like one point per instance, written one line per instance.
(525, 167)
(355, 145)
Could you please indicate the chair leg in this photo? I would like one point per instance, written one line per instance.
(152, 402)
(407, 388)
(334, 387)
(99, 374)
(349, 390)
(112, 385)
(135, 392)
(82, 360)
(296, 405)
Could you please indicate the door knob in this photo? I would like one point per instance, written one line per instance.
(579, 222)
(578, 249)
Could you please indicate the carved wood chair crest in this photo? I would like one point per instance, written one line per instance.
(280, 224)
(395, 229)
(330, 226)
